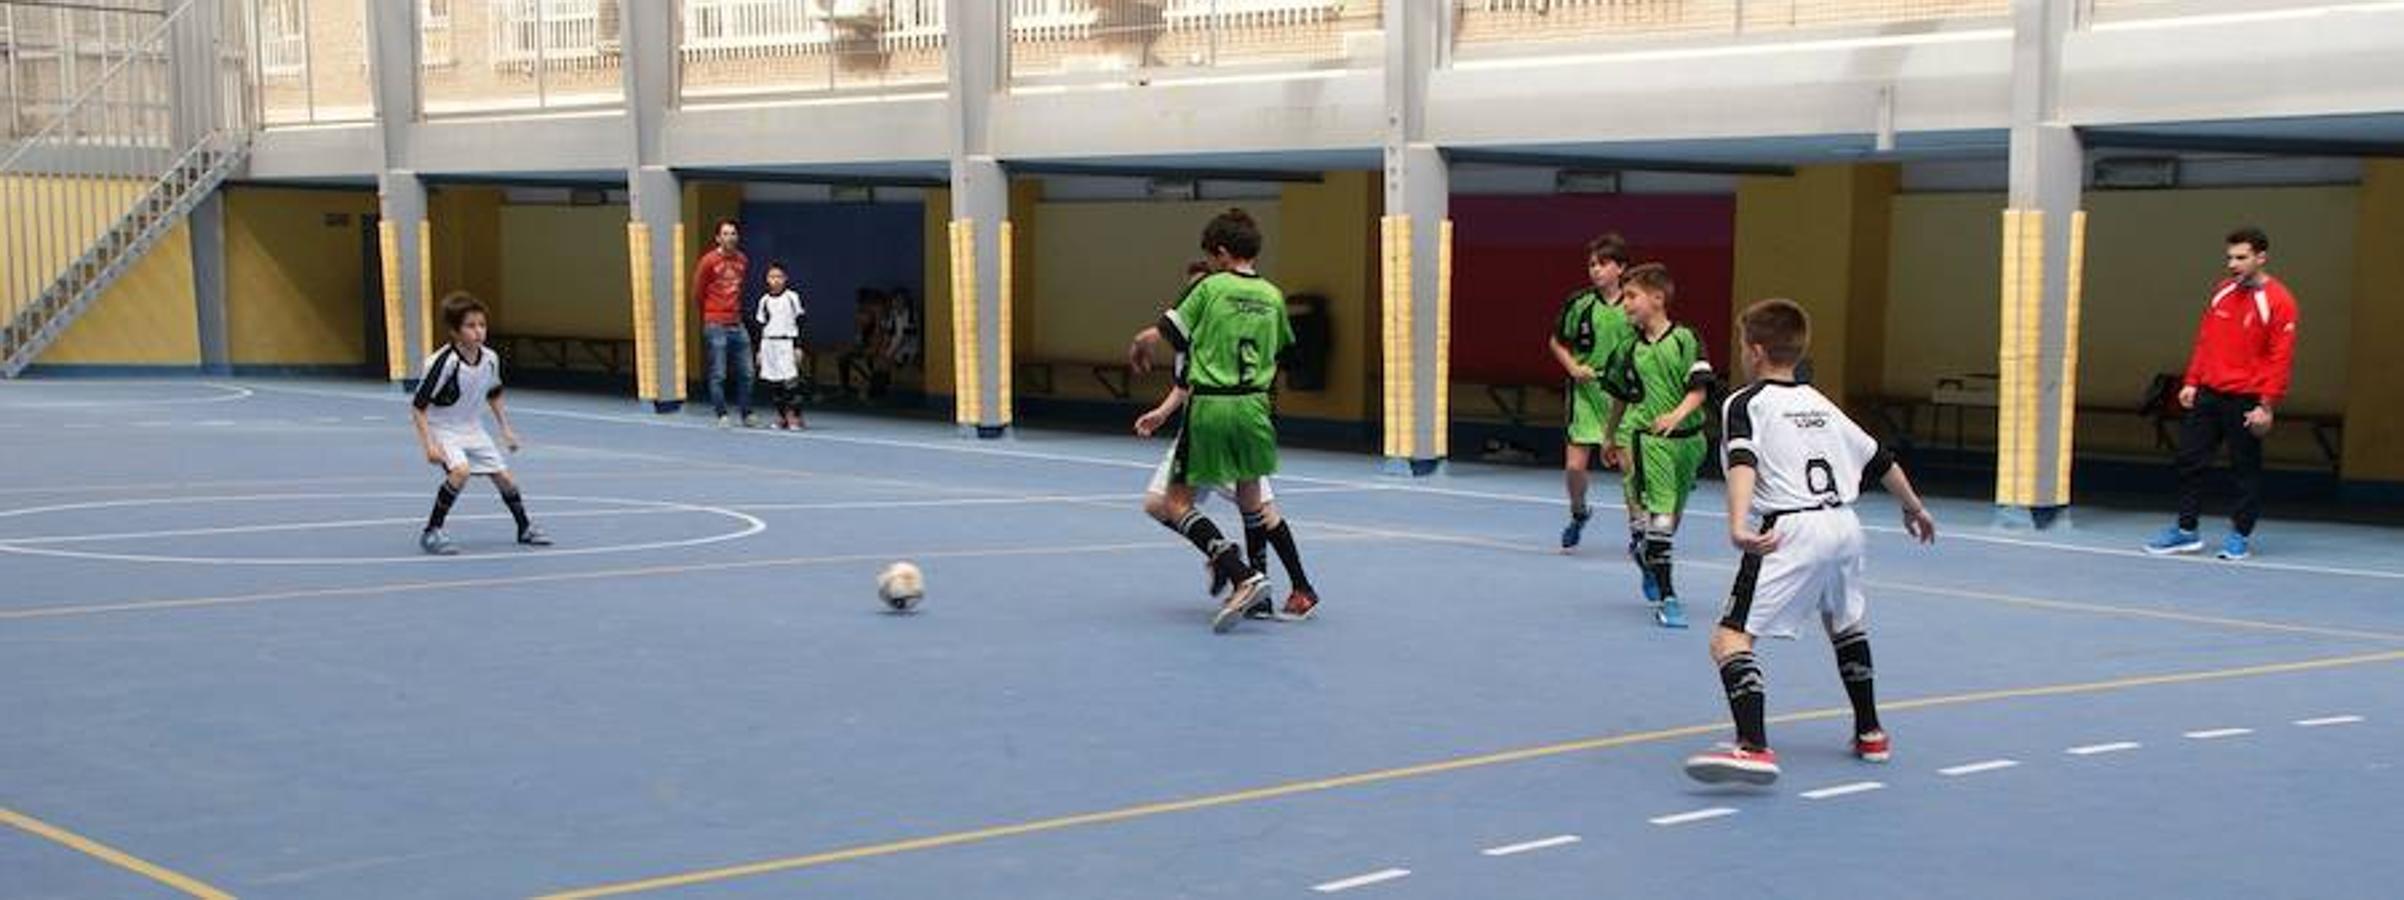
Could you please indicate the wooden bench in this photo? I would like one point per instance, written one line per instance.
(614, 356)
(1039, 376)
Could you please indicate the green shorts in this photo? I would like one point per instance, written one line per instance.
(1589, 409)
(1661, 471)
(1227, 439)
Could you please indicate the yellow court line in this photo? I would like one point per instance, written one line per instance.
(111, 855)
(869, 851)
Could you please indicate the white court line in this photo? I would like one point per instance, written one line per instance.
(2094, 749)
(214, 423)
(1558, 840)
(1361, 880)
(1842, 790)
(1399, 487)
(231, 392)
(1533, 548)
(432, 586)
(312, 526)
(2327, 721)
(748, 525)
(1977, 767)
(1696, 816)
(2216, 733)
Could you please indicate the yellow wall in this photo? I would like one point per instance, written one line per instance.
(1327, 247)
(1105, 270)
(2152, 257)
(2374, 431)
(938, 300)
(564, 272)
(1820, 238)
(35, 208)
(294, 280)
(148, 318)
(466, 245)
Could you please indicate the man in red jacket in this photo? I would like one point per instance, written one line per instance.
(2235, 380)
(718, 291)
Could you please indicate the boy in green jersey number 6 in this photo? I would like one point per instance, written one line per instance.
(1660, 430)
(1231, 326)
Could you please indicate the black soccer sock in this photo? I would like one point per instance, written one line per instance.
(1282, 537)
(1656, 561)
(1853, 665)
(1206, 537)
(1256, 540)
(517, 506)
(1746, 701)
(443, 498)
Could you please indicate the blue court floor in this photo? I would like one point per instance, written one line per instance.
(225, 670)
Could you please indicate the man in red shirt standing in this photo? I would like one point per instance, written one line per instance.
(718, 290)
(2235, 379)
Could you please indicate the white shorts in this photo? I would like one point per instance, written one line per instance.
(1160, 483)
(475, 450)
(1816, 572)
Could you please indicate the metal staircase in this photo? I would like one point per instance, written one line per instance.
(116, 169)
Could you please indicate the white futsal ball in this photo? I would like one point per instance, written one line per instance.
(901, 586)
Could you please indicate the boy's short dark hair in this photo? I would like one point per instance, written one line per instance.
(2251, 237)
(1652, 277)
(1779, 327)
(1235, 232)
(777, 265)
(1609, 247)
(722, 223)
(458, 305)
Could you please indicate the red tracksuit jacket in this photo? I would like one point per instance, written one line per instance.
(2247, 342)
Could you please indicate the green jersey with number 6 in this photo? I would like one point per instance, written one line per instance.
(1231, 327)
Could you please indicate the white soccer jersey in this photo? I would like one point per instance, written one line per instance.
(1808, 453)
(453, 387)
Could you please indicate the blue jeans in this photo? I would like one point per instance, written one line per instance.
(726, 342)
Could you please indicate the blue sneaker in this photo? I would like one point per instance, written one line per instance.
(2174, 540)
(1670, 613)
(1574, 532)
(2236, 546)
(1652, 586)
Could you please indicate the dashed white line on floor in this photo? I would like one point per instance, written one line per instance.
(1347, 884)
(2214, 733)
(2328, 720)
(2093, 749)
(1696, 816)
(1858, 787)
(1977, 767)
(1559, 840)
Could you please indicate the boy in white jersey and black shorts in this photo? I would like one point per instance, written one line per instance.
(451, 430)
(1795, 465)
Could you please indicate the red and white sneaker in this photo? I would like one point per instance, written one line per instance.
(1871, 746)
(1728, 762)
(1299, 604)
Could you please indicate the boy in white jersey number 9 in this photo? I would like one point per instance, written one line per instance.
(1795, 465)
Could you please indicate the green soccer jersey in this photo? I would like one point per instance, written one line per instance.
(1231, 327)
(1666, 369)
(1592, 328)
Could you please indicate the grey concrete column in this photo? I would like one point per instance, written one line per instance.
(654, 245)
(207, 224)
(410, 332)
(1415, 251)
(402, 237)
(2043, 252)
(655, 207)
(980, 226)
